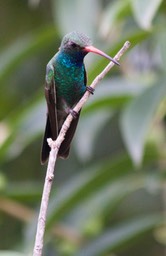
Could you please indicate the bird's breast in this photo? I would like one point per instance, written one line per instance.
(70, 82)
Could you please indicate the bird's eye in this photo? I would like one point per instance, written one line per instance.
(73, 45)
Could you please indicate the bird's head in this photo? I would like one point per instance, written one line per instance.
(78, 43)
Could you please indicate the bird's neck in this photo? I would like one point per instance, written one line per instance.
(71, 58)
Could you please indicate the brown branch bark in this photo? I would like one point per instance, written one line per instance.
(54, 152)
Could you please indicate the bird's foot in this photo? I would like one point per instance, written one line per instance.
(90, 89)
(73, 113)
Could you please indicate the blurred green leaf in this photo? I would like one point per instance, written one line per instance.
(136, 37)
(104, 202)
(114, 13)
(144, 11)
(110, 95)
(79, 188)
(83, 185)
(92, 120)
(25, 124)
(74, 18)
(113, 93)
(137, 117)
(3, 181)
(86, 183)
(11, 253)
(23, 48)
(116, 237)
(161, 39)
(24, 191)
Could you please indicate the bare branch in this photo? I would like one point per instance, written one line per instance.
(55, 145)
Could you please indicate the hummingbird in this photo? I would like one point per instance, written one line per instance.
(65, 84)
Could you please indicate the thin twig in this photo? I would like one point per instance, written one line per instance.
(55, 145)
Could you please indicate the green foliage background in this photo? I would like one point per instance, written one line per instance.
(108, 198)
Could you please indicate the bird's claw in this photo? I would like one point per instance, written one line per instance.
(73, 113)
(90, 89)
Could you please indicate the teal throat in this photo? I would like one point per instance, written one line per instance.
(69, 78)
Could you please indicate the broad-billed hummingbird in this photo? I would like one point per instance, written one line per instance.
(65, 84)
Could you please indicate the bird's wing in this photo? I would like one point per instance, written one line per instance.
(51, 130)
(50, 95)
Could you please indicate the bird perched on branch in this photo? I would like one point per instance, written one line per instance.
(65, 84)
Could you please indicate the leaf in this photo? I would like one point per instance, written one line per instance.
(111, 95)
(135, 38)
(137, 117)
(11, 253)
(115, 11)
(116, 237)
(23, 191)
(86, 183)
(25, 124)
(89, 127)
(161, 39)
(79, 188)
(23, 48)
(3, 182)
(103, 202)
(78, 16)
(144, 11)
